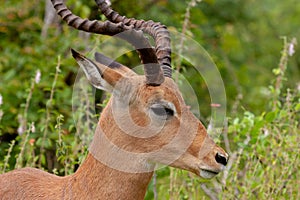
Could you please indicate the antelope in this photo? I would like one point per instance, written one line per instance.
(146, 122)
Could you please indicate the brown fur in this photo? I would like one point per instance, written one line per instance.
(95, 180)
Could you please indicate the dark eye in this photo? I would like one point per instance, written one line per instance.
(162, 110)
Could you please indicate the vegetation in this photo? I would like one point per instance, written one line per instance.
(254, 45)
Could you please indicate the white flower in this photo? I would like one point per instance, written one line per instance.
(32, 127)
(291, 50)
(1, 100)
(291, 47)
(266, 132)
(20, 130)
(22, 124)
(37, 76)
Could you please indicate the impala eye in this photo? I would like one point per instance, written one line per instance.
(162, 110)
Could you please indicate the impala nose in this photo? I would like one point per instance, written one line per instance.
(222, 159)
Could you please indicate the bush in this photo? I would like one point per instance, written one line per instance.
(37, 74)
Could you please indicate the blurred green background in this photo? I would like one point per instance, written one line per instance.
(245, 40)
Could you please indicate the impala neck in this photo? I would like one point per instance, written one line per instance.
(98, 181)
(107, 173)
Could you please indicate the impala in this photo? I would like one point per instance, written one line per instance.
(145, 123)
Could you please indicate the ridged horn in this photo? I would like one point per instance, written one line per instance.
(153, 73)
(158, 31)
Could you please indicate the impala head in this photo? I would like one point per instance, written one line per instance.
(146, 115)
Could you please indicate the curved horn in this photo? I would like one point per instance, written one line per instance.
(153, 73)
(107, 27)
(158, 31)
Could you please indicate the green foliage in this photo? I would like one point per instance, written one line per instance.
(36, 123)
(266, 162)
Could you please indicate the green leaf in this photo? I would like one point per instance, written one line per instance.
(257, 126)
(276, 71)
(297, 107)
(43, 159)
(270, 116)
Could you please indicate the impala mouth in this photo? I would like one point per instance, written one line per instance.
(207, 174)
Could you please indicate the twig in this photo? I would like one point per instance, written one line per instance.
(19, 162)
(8, 155)
(50, 17)
(280, 71)
(48, 114)
(208, 192)
(185, 24)
(154, 186)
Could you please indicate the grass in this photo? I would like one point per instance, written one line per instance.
(264, 151)
(264, 148)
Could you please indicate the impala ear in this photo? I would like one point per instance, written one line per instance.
(99, 75)
(104, 60)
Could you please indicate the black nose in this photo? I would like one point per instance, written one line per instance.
(221, 159)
